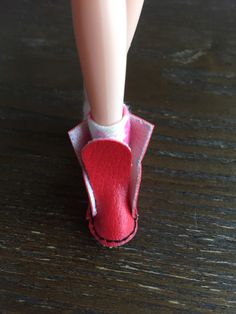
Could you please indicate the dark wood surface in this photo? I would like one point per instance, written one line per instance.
(181, 76)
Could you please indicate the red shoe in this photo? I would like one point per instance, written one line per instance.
(112, 173)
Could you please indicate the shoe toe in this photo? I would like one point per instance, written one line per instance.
(108, 166)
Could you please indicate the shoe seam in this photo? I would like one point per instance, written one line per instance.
(114, 241)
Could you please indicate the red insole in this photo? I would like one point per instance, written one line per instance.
(108, 165)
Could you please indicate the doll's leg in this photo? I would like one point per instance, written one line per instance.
(112, 171)
(101, 37)
(134, 9)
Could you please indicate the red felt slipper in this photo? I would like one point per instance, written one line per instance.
(107, 163)
(112, 173)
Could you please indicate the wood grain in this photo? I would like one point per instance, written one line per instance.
(181, 76)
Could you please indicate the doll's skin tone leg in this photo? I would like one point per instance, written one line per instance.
(134, 9)
(101, 38)
(100, 112)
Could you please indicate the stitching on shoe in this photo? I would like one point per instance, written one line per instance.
(110, 241)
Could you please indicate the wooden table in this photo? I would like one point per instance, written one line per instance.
(181, 76)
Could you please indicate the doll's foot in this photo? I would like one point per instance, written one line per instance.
(107, 161)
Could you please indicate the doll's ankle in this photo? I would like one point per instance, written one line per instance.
(119, 131)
